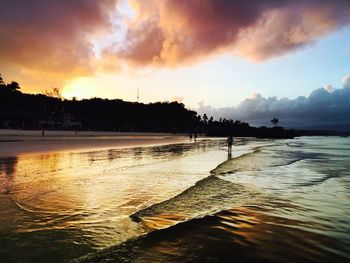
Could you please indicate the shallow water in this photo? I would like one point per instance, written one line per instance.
(58, 206)
(269, 200)
(287, 200)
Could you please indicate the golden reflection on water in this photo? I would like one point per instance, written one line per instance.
(162, 221)
(277, 201)
(87, 197)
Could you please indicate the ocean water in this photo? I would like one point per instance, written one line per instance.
(271, 201)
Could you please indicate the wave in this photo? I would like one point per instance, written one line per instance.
(207, 196)
(216, 192)
(264, 157)
(222, 220)
(246, 234)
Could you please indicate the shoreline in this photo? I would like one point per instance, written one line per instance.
(218, 234)
(31, 142)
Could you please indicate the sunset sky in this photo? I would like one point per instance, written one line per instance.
(212, 53)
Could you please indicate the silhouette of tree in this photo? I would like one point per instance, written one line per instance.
(54, 92)
(2, 83)
(13, 86)
(274, 121)
(205, 118)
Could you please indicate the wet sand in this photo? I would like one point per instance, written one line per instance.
(19, 142)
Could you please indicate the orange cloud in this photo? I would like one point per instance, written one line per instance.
(51, 37)
(174, 32)
(52, 42)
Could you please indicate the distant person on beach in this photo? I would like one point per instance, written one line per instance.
(190, 136)
(195, 137)
(43, 133)
(229, 144)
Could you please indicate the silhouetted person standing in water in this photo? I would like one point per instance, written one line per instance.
(43, 133)
(229, 144)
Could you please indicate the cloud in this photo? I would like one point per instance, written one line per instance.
(174, 32)
(327, 108)
(346, 81)
(52, 37)
(57, 40)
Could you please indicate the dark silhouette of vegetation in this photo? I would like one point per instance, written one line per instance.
(274, 121)
(49, 111)
(54, 92)
(237, 128)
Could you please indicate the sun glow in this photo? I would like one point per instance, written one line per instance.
(80, 88)
(101, 86)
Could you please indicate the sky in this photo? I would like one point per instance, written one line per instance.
(212, 55)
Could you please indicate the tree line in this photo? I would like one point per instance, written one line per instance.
(44, 111)
(49, 111)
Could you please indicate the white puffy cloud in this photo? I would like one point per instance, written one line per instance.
(346, 81)
(326, 108)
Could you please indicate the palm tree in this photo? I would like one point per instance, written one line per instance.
(274, 121)
(205, 118)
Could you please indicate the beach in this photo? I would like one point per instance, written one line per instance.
(76, 201)
(174, 131)
(179, 201)
(20, 142)
(286, 197)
